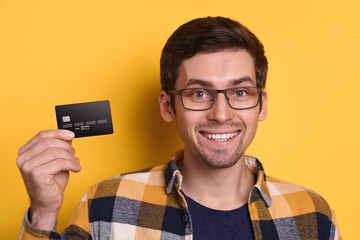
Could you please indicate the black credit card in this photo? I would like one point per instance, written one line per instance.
(85, 119)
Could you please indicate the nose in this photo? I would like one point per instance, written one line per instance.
(221, 111)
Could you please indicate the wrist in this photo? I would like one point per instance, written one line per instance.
(42, 220)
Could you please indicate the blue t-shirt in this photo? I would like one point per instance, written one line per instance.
(211, 224)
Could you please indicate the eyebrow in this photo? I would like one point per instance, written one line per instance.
(245, 79)
(200, 82)
(205, 83)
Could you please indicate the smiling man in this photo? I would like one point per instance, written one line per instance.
(213, 75)
(216, 126)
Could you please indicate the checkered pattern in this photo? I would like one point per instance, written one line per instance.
(149, 205)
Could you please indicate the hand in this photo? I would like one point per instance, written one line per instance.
(44, 163)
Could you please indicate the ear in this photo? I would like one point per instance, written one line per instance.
(263, 111)
(165, 107)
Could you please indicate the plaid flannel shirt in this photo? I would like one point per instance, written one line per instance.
(149, 205)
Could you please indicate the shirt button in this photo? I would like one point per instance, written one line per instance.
(185, 218)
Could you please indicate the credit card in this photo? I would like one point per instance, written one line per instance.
(85, 119)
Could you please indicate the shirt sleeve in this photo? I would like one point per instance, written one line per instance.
(336, 232)
(78, 227)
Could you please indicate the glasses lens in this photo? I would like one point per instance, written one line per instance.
(197, 98)
(243, 97)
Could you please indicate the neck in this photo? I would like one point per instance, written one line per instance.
(216, 188)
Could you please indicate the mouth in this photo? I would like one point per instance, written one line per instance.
(220, 137)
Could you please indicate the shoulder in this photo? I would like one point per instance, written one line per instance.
(295, 205)
(296, 200)
(127, 183)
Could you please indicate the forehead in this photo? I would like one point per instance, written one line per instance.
(218, 69)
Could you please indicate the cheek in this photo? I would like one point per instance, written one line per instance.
(250, 120)
(251, 130)
(186, 122)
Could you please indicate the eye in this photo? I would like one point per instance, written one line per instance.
(199, 94)
(240, 93)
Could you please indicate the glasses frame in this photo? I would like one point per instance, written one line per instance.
(216, 91)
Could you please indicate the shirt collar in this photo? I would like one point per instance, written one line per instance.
(173, 177)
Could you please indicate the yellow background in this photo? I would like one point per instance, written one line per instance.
(60, 52)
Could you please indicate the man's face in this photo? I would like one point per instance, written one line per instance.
(219, 136)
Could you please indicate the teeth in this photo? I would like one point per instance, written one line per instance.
(221, 137)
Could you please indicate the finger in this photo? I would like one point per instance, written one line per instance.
(47, 156)
(44, 145)
(54, 167)
(44, 176)
(64, 135)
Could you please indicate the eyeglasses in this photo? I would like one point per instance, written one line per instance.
(200, 99)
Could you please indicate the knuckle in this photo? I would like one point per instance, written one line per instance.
(66, 164)
(61, 163)
(26, 168)
(53, 151)
(36, 173)
(41, 135)
(47, 142)
(67, 146)
(19, 162)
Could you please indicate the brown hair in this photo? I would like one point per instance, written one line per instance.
(209, 34)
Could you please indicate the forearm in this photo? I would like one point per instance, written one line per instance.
(41, 220)
(78, 228)
(31, 232)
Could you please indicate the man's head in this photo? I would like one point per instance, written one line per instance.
(210, 34)
(204, 57)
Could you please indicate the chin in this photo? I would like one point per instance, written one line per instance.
(221, 158)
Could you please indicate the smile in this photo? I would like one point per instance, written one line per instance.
(221, 137)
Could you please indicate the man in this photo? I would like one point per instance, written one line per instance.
(213, 75)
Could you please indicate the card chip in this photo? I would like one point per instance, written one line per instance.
(66, 118)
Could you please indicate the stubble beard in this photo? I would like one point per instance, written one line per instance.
(221, 158)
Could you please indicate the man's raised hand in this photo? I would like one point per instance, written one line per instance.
(44, 163)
